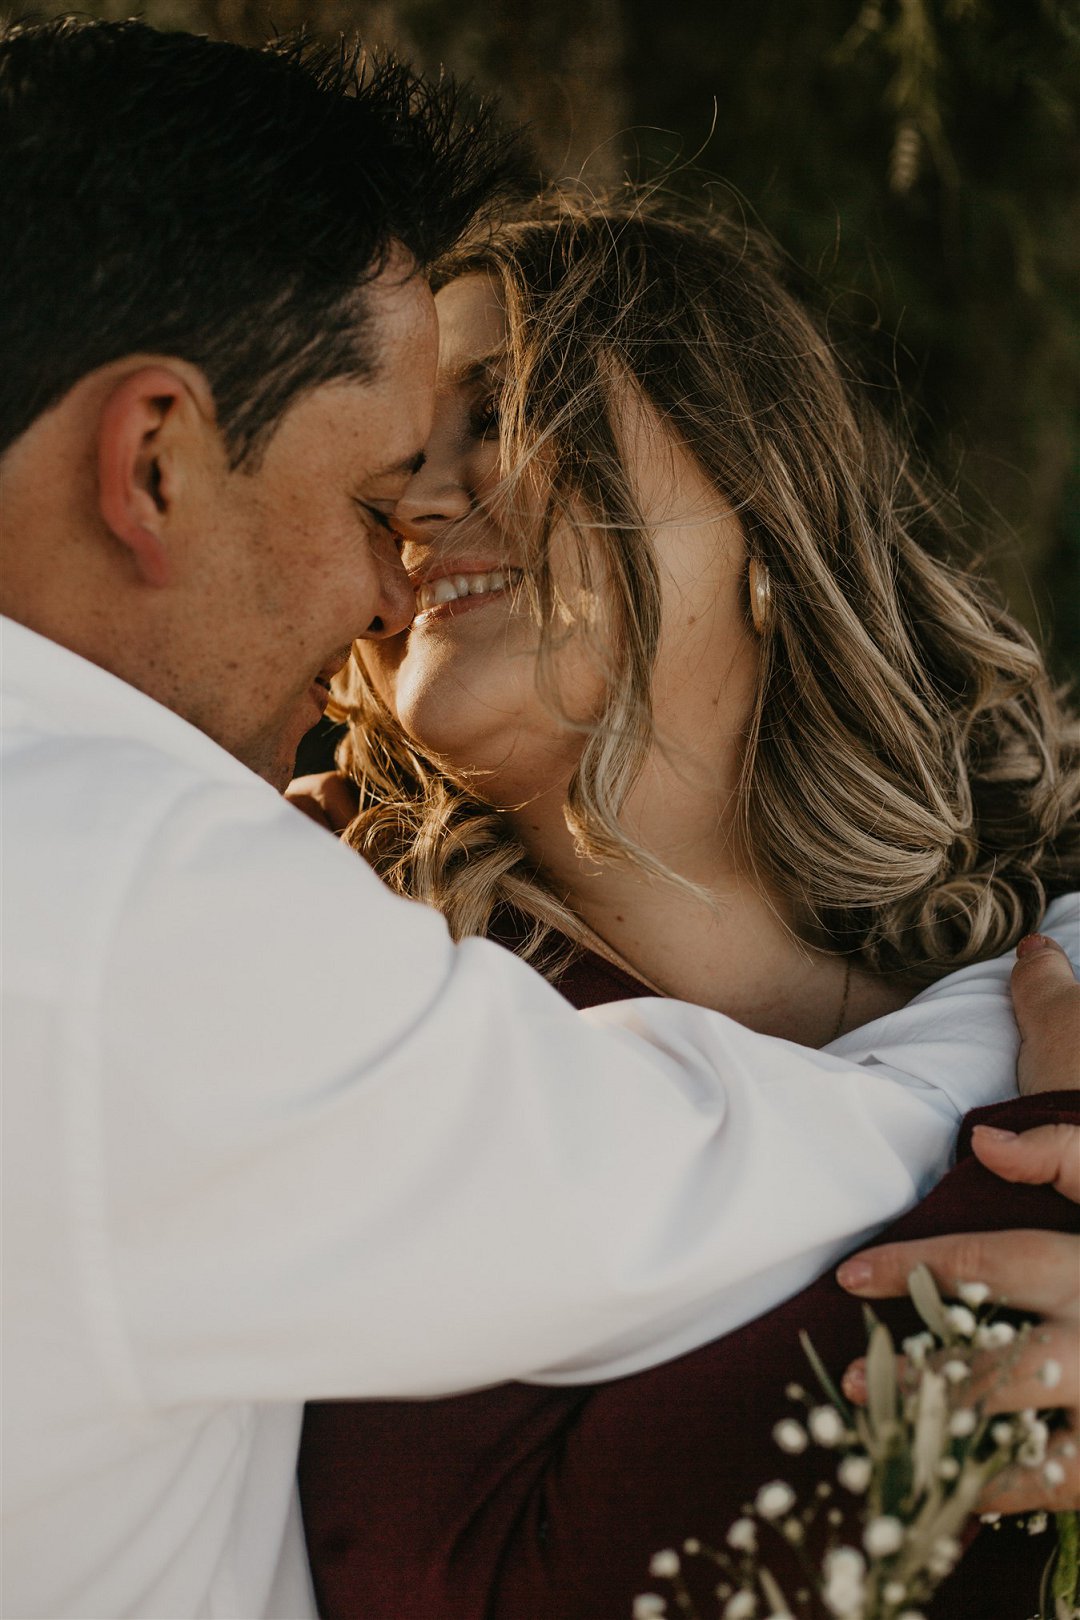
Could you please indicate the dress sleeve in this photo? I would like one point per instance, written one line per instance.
(522, 1503)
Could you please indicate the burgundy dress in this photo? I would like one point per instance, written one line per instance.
(530, 1503)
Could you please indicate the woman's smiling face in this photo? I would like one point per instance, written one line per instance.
(463, 679)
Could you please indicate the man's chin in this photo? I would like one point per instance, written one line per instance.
(272, 760)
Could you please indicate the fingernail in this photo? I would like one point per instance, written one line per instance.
(853, 1382)
(995, 1133)
(854, 1274)
(1032, 943)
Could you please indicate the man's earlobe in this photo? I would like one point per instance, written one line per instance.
(133, 487)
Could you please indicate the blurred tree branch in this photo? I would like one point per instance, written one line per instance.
(920, 157)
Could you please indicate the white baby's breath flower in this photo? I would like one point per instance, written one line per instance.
(826, 1425)
(1001, 1432)
(956, 1371)
(989, 1518)
(790, 1436)
(794, 1532)
(649, 1606)
(894, 1591)
(1036, 1524)
(664, 1564)
(916, 1346)
(883, 1536)
(844, 1590)
(1054, 1473)
(854, 1473)
(1050, 1374)
(994, 1335)
(743, 1606)
(973, 1294)
(1033, 1450)
(963, 1422)
(943, 1555)
(691, 1546)
(960, 1320)
(743, 1536)
(948, 1468)
(774, 1500)
(795, 1392)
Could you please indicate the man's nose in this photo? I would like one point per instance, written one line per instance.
(396, 600)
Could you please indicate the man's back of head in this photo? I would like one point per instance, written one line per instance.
(164, 193)
(201, 244)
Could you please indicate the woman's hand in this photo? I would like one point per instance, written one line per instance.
(1046, 999)
(328, 797)
(1031, 1270)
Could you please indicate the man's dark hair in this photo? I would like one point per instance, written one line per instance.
(168, 194)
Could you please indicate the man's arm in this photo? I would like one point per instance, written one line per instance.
(1032, 1270)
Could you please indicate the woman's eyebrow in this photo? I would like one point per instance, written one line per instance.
(486, 369)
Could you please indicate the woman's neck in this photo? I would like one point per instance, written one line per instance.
(739, 956)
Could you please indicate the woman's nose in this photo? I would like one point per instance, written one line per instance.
(433, 496)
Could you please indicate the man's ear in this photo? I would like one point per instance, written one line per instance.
(139, 430)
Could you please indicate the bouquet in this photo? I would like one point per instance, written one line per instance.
(913, 1463)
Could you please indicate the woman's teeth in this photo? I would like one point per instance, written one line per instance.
(452, 586)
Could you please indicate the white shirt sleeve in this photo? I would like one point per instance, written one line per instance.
(327, 1153)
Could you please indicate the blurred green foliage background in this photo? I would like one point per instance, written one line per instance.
(919, 158)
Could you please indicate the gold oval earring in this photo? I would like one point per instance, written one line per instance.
(760, 586)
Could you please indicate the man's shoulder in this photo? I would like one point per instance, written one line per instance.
(107, 790)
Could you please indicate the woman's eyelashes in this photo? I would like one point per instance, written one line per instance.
(484, 416)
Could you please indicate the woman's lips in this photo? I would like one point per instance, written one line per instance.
(462, 590)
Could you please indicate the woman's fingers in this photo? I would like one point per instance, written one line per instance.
(1031, 1270)
(1047, 1155)
(1054, 1485)
(1046, 998)
(328, 797)
(1044, 1373)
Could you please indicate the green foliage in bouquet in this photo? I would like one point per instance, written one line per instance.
(916, 1460)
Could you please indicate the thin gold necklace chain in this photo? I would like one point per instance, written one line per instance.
(842, 1014)
(602, 948)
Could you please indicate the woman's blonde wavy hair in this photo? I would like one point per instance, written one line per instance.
(910, 781)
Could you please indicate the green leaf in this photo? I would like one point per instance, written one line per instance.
(1067, 1570)
(931, 1419)
(822, 1375)
(927, 1301)
(778, 1603)
(882, 1393)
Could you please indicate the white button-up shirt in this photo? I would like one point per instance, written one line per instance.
(268, 1135)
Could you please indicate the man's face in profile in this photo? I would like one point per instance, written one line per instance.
(294, 563)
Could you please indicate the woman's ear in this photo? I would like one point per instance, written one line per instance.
(138, 439)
